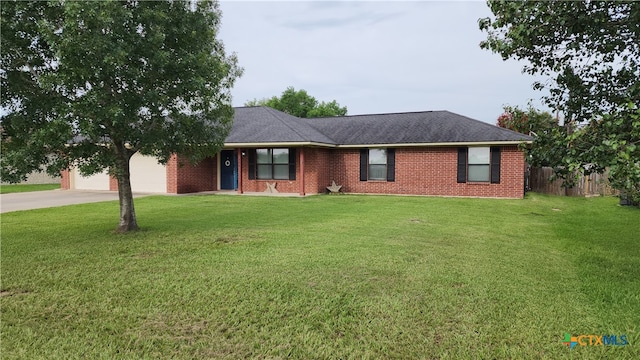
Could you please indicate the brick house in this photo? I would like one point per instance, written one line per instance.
(419, 153)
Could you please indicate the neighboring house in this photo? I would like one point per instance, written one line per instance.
(418, 153)
(38, 178)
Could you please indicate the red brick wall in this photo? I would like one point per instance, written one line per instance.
(113, 183)
(172, 175)
(430, 171)
(283, 186)
(65, 180)
(318, 169)
(183, 177)
(419, 171)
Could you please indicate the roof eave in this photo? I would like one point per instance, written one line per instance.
(318, 144)
(439, 144)
(277, 144)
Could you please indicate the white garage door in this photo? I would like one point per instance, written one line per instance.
(147, 175)
(94, 182)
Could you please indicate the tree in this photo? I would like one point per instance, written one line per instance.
(590, 50)
(548, 147)
(300, 104)
(531, 121)
(541, 125)
(89, 84)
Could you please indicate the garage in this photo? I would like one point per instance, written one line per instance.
(98, 181)
(147, 175)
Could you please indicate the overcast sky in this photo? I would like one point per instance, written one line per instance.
(373, 57)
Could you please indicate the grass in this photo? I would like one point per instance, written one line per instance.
(7, 189)
(322, 277)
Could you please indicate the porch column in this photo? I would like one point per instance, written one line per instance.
(302, 171)
(239, 166)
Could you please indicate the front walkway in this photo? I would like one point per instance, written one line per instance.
(249, 193)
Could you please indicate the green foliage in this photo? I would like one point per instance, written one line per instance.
(324, 109)
(607, 143)
(591, 51)
(614, 141)
(89, 84)
(527, 122)
(549, 147)
(300, 104)
(32, 127)
(393, 278)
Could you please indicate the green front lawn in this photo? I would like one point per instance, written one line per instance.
(6, 189)
(361, 277)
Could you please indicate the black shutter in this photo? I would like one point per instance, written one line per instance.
(292, 164)
(391, 164)
(252, 164)
(462, 164)
(364, 163)
(495, 165)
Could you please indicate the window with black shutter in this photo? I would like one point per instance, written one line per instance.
(364, 162)
(462, 165)
(377, 164)
(495, 165)
(272, 164)
(479, 164)
(252, 164)
(391, 164)
(292, 164)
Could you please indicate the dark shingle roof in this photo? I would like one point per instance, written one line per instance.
(264, 125)
(414, 127)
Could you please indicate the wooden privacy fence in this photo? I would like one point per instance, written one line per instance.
(591, 185)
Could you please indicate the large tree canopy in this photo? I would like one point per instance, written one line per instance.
(590, 50)
(300, 104)
(88, 84)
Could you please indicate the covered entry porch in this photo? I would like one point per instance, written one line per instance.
(284, 170)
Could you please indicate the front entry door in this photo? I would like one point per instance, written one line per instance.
(228, 170)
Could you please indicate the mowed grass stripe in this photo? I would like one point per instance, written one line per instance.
(321, 277)
(14, 188)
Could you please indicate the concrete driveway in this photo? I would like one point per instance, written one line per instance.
(53, 198)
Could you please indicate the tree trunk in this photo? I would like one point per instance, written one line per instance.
(128, 220)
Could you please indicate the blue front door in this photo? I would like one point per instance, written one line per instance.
(228, 170)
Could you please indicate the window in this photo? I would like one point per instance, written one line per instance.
(377, 164)
(272, 164)
(479, 164)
